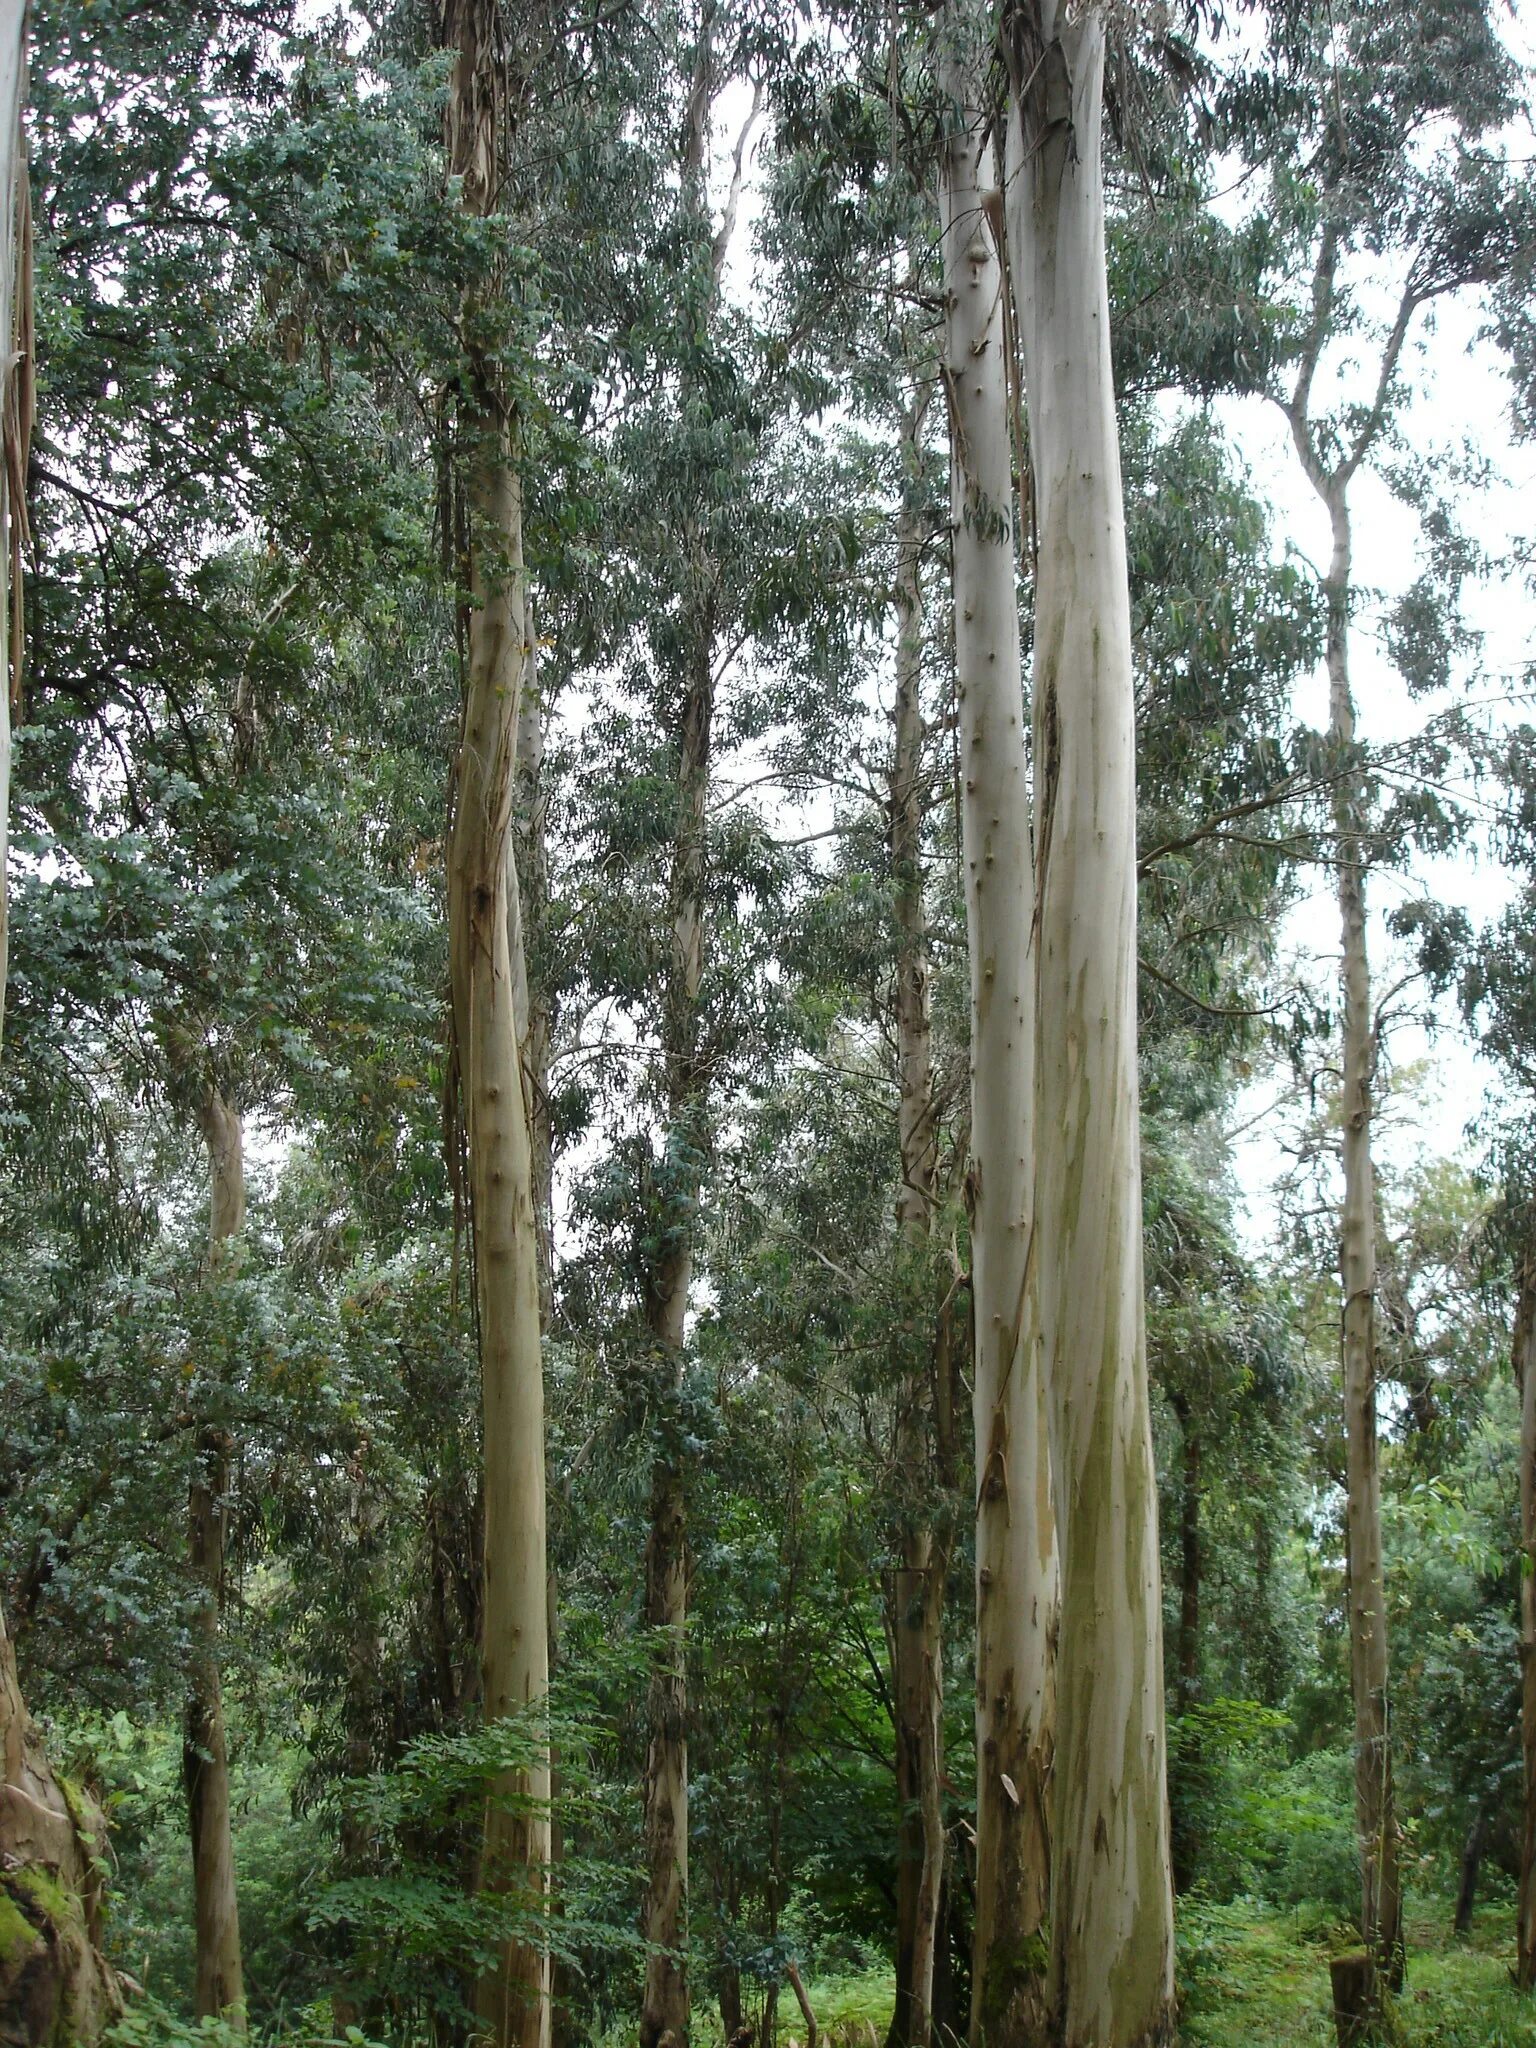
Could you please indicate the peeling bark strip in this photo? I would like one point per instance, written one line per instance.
(1111, 1916)
(1525, 1378)
(512, 2000)
(219, 1987)
(1016, 1565)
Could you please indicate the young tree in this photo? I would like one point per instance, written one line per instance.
(1391, 118)
(1111, 1983)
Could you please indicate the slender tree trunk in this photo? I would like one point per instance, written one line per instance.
(219, 1990)
(665, 2006)
(1111, 1892)
(917, 1591)
(1016, 1566)
(1471, 1864)
(513, 2000)
(1381, 1908)
(1525, 1379)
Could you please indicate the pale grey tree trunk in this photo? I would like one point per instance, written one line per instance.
(513, 1999)
(665, 1999)
(1381, 1903)
(1016, 1564)
(1111, 1917)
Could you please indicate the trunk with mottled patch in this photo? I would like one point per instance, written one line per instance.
(1016, 1586)
(1111, 1914)
(513, 1999)
(219, 1984)
(1381, 1905)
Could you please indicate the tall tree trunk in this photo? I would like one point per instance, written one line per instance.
(513, 1999)
(15, 404)
(1111, 1911)
(1525, 1379)
(1016, 1565)
(665, 2007)
(1381, 1906)
(917, 1591)
(219, 1986)
(54, 1982)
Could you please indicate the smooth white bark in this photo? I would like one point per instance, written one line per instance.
(1016, 1564)
(1111, 1892)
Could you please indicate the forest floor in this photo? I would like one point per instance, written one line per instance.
(1255, 1978)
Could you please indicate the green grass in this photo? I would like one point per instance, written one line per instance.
(1259, 1979)
(1253, 1977)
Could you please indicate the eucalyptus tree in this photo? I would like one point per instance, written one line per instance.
(1111, 1915)
(1393, 124)
(1495, 984)
(482, 885)
(1016, 1554)
(51, 1972)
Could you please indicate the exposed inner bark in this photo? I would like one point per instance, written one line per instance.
(54, 1981)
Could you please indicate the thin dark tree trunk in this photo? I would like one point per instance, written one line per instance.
(219, 1990)
(1471, 1864)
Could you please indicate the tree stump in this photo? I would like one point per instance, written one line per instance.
(1355, 2004)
